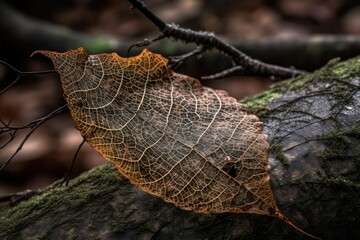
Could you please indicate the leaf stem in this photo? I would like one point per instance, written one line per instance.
(280, 216)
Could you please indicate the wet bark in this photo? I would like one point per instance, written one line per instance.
(314, 130)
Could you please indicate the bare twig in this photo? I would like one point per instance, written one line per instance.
(17, 197)
(311, 52)
(33, 126)
(226, 73)
(178, 60)
(21, 74)
(144, 43)
(68, 174)
(210, 41)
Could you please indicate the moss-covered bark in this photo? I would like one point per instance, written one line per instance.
(313, 123)
(314, 129)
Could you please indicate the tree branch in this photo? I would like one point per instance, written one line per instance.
(21, 74)
(210, 41)
(32, 126)
(22, 35)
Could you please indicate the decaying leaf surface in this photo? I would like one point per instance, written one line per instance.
(193, 146)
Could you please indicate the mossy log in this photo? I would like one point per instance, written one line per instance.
(313, 123)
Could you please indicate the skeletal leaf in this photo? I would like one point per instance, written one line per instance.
(190, 145)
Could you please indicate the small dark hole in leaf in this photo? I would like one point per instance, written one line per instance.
(232, 171)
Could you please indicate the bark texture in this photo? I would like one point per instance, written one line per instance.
(313, 123)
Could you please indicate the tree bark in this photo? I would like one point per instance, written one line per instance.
(314, 131)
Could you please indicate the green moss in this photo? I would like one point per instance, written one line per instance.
(340, 144)
(357, 161)
(294, 83)
(15, 219)
(347, 69)
(100, 45)
(277, 149)
(332, 71)
(258, 102)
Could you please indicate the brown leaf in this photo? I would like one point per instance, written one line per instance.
(190, 145)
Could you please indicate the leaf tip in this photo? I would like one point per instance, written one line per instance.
(37, 52)
(280, 216)
(48, 53)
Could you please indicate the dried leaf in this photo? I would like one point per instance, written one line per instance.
(190, 145)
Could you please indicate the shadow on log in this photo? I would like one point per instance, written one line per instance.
(313, 123)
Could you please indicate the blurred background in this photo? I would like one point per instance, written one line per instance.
(274, 31)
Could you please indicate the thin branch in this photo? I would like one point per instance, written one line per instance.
(33, 127)
(68, 175)
(10, 85)
(144, 43)
(15, 198)
(21, 74)
(311, 51)
(150, 15)
(226, 73)
(178, 60)
(210, 41)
